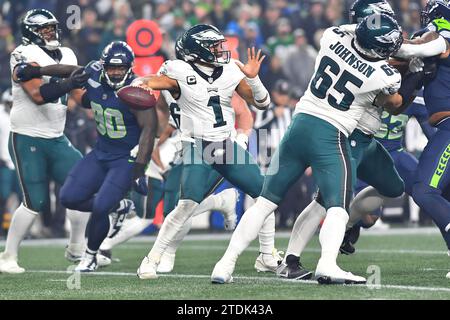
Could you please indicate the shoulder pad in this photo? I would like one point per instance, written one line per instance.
(441, 24)
(175, 69)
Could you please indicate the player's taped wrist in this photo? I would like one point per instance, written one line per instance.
(260, 93)
(139, 170)
(242, 140)
(409, 84)
(54, 90)
(429, 49)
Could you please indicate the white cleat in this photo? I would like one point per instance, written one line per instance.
(167, 262)
(8, 264)
(102, 260)
(87, 264)
(147, 269)
(267, 262)
(448, 275)
(332, 274)
(222, 273)
(229, 208)
(74, 252)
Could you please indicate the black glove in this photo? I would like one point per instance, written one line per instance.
(26, 72)
(429, 69)
(78, 79)
(140, 181)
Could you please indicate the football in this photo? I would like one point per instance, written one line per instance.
(137, 98)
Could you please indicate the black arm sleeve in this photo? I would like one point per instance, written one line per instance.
(54, 90)
(85, 101)
(409, 84)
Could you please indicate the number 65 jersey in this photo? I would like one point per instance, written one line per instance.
(205, 100)
(345, 84)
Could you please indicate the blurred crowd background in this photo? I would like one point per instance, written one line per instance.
(288, 31)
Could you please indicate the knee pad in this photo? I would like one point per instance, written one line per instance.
(421, 192)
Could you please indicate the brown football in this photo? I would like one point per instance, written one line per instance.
(137, 98)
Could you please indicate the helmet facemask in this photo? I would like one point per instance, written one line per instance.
(49, 34)
(116, 74)
(221, 56)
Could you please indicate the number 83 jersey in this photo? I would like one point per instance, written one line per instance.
(205, 100)
(117, 127)
(345, 84)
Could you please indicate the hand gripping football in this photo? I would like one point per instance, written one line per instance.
(137, 97)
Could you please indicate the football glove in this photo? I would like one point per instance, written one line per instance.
(140, 185)
(26, 72)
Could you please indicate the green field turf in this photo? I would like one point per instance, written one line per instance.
(411, 267)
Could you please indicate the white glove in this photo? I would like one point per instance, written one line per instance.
(391, 89)
(242, 140)
(134, 151)
(416, 65)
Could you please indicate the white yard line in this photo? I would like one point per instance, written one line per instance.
(269, 279)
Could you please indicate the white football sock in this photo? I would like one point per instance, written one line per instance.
(173, 247)
(248, 228)
(21, 223)
(130, 228)
(78, 222)
(267, 235)
(216, 201)
(172, 225)
(414, 211)
(364, 203)
(305, 227)
(332, 233)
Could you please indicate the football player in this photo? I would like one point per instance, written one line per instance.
(352, 74)
(104, 176)
(203, 83)
(164, 174)
(37, 145)
(432, 178)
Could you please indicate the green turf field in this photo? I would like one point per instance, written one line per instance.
(411, 266)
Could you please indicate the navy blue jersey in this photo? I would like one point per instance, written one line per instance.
(437, 91)
(118, 129)
(392, 130)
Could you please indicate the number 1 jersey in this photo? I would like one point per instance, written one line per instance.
(205, 100)
(345, 84)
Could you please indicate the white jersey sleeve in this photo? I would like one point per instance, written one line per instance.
(345, 84)
(46, 120)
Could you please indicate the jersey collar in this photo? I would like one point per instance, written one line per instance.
(213, 77)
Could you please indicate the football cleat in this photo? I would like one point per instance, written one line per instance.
(229, 209)
(8, 264)
(102, 259)
(87, 264)
(293, 270)
(147, 269)
(74, 252)
(167, 262)
(350, 238)
(332, 274)
(266, 262)
(222, 273)
(126, 207)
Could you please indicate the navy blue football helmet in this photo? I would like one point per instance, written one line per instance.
(117, 54)
(363, 8)
(202, 42)
(435, 9)
(378, 36)
(32, 27)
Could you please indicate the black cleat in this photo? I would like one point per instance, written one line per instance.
(293, 269)
(350, 238)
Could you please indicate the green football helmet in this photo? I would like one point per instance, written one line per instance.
(363, 8)
(202, 43)
(378, 36)
(34, 21)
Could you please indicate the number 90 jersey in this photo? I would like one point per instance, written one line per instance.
(345, 83)
(117, 127)
(205, 101)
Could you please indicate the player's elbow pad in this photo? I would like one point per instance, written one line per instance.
(424, 50)
(260, 93)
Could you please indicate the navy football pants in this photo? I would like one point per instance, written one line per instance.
(97, 186)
